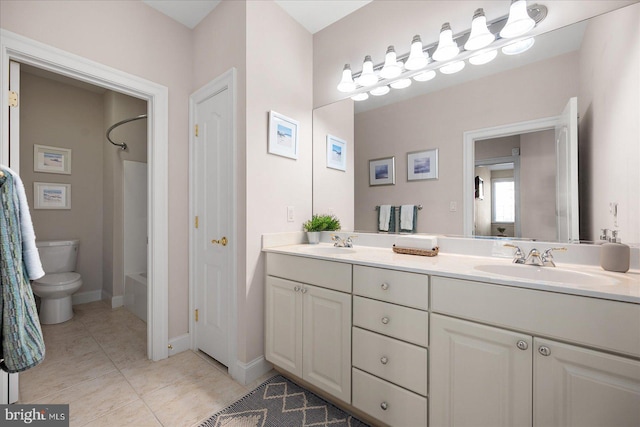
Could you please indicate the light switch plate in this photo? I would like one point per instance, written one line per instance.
(290, 214)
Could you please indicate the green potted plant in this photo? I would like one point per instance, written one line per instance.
(319, 223)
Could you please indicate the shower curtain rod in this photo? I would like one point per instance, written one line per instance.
(123, 145)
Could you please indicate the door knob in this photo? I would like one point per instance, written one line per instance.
(222, 241)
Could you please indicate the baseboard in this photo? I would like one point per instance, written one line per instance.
(246, 373)
(117, 301)
(179, 344)
(85, 297)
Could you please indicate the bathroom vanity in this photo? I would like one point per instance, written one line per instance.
(447, 341)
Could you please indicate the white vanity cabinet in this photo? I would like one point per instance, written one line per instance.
(308, 321)
(483, 375)
(390, 339)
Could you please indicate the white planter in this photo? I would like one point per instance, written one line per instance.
(313, 237)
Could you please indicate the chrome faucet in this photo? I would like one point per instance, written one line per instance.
(534, 257)
(339, 242)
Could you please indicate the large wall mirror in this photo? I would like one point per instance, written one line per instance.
(596, 61)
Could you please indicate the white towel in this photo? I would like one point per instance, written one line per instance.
(384, 217)
(406, 217)
(30, 254)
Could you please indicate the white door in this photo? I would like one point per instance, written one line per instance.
(577, 387)
(213, 205)
(567, 173)
(479, 376)
(327, 340)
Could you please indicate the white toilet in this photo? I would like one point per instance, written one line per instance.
(59, 282)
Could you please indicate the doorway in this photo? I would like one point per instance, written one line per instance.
(26, 51)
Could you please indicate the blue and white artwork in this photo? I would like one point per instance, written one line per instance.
(285, 136)
(422, 165)
(336, 153)
(382, 171)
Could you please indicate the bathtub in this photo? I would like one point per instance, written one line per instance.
(135, 294)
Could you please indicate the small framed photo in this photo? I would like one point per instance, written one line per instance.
(382, 171)
(283, 135)
(422, 165)
(51, 196)
(51, 159)
(336, 153)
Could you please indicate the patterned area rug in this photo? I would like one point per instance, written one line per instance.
(281, 403)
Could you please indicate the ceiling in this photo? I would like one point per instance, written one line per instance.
(314, 15)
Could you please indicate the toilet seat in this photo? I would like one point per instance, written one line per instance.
(58, 279)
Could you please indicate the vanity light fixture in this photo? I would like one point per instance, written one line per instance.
(519, 46)
(452, 67)
(424, 76)
(401, 84)
(480, 35)
(347, 84)
(447, 48)
(519, 21)
(417, 58)
(380, 90)
(391, 69)
(368, 76)
(483, 57)
(481, 45)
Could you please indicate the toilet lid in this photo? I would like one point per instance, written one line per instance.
(59, 278)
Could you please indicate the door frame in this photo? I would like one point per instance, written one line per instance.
(227, 81)
(28, 51)
(469, 161)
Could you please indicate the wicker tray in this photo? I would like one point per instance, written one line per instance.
(411, 251)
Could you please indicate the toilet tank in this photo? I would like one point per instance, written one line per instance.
(58, 256)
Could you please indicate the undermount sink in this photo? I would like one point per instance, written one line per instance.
(548, 274)
(327, 250)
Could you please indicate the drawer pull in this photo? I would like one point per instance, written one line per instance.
(303, 290)
(296, 289)
(384, 360)
(544, 350)
(384, 286)
(522, 345)
(384, 406)
(384, 320)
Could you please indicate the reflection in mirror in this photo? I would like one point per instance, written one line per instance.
(605, 82)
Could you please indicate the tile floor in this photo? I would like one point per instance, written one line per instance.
(97, 363)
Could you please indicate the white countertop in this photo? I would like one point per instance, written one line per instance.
(615, 286)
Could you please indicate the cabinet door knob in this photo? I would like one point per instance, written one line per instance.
(296, 289)
(522, 345)
(544, 350)
(384, 286)
(303, 290)
(384, 320)
(384, 406)
(384, 360)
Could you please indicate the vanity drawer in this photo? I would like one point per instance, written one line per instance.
(404, 323)
(327, 274)
(386, 402)
(609, 325)
(398, 287)
(395, 361)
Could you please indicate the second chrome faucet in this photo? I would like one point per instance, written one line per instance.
(544, 259)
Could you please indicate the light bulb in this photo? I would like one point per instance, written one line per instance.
(519, 21)
(483, 57)
(452, 67)
(417, 58)
(425, 76)
(401, 84)
(367, 77)
(360, 97)
(480, 35)
(447, 48)
(519, 46)
(379, 91)
(391, 69)
(346, 84)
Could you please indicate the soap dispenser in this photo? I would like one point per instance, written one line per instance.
(614, 256)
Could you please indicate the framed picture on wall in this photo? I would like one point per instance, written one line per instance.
(283, 135)
(336, 153)
(382, 171)
(422, 165)
(48, 195)
(51, 159)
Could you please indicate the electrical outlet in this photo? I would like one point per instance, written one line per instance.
(453, 206)
(290, 214)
